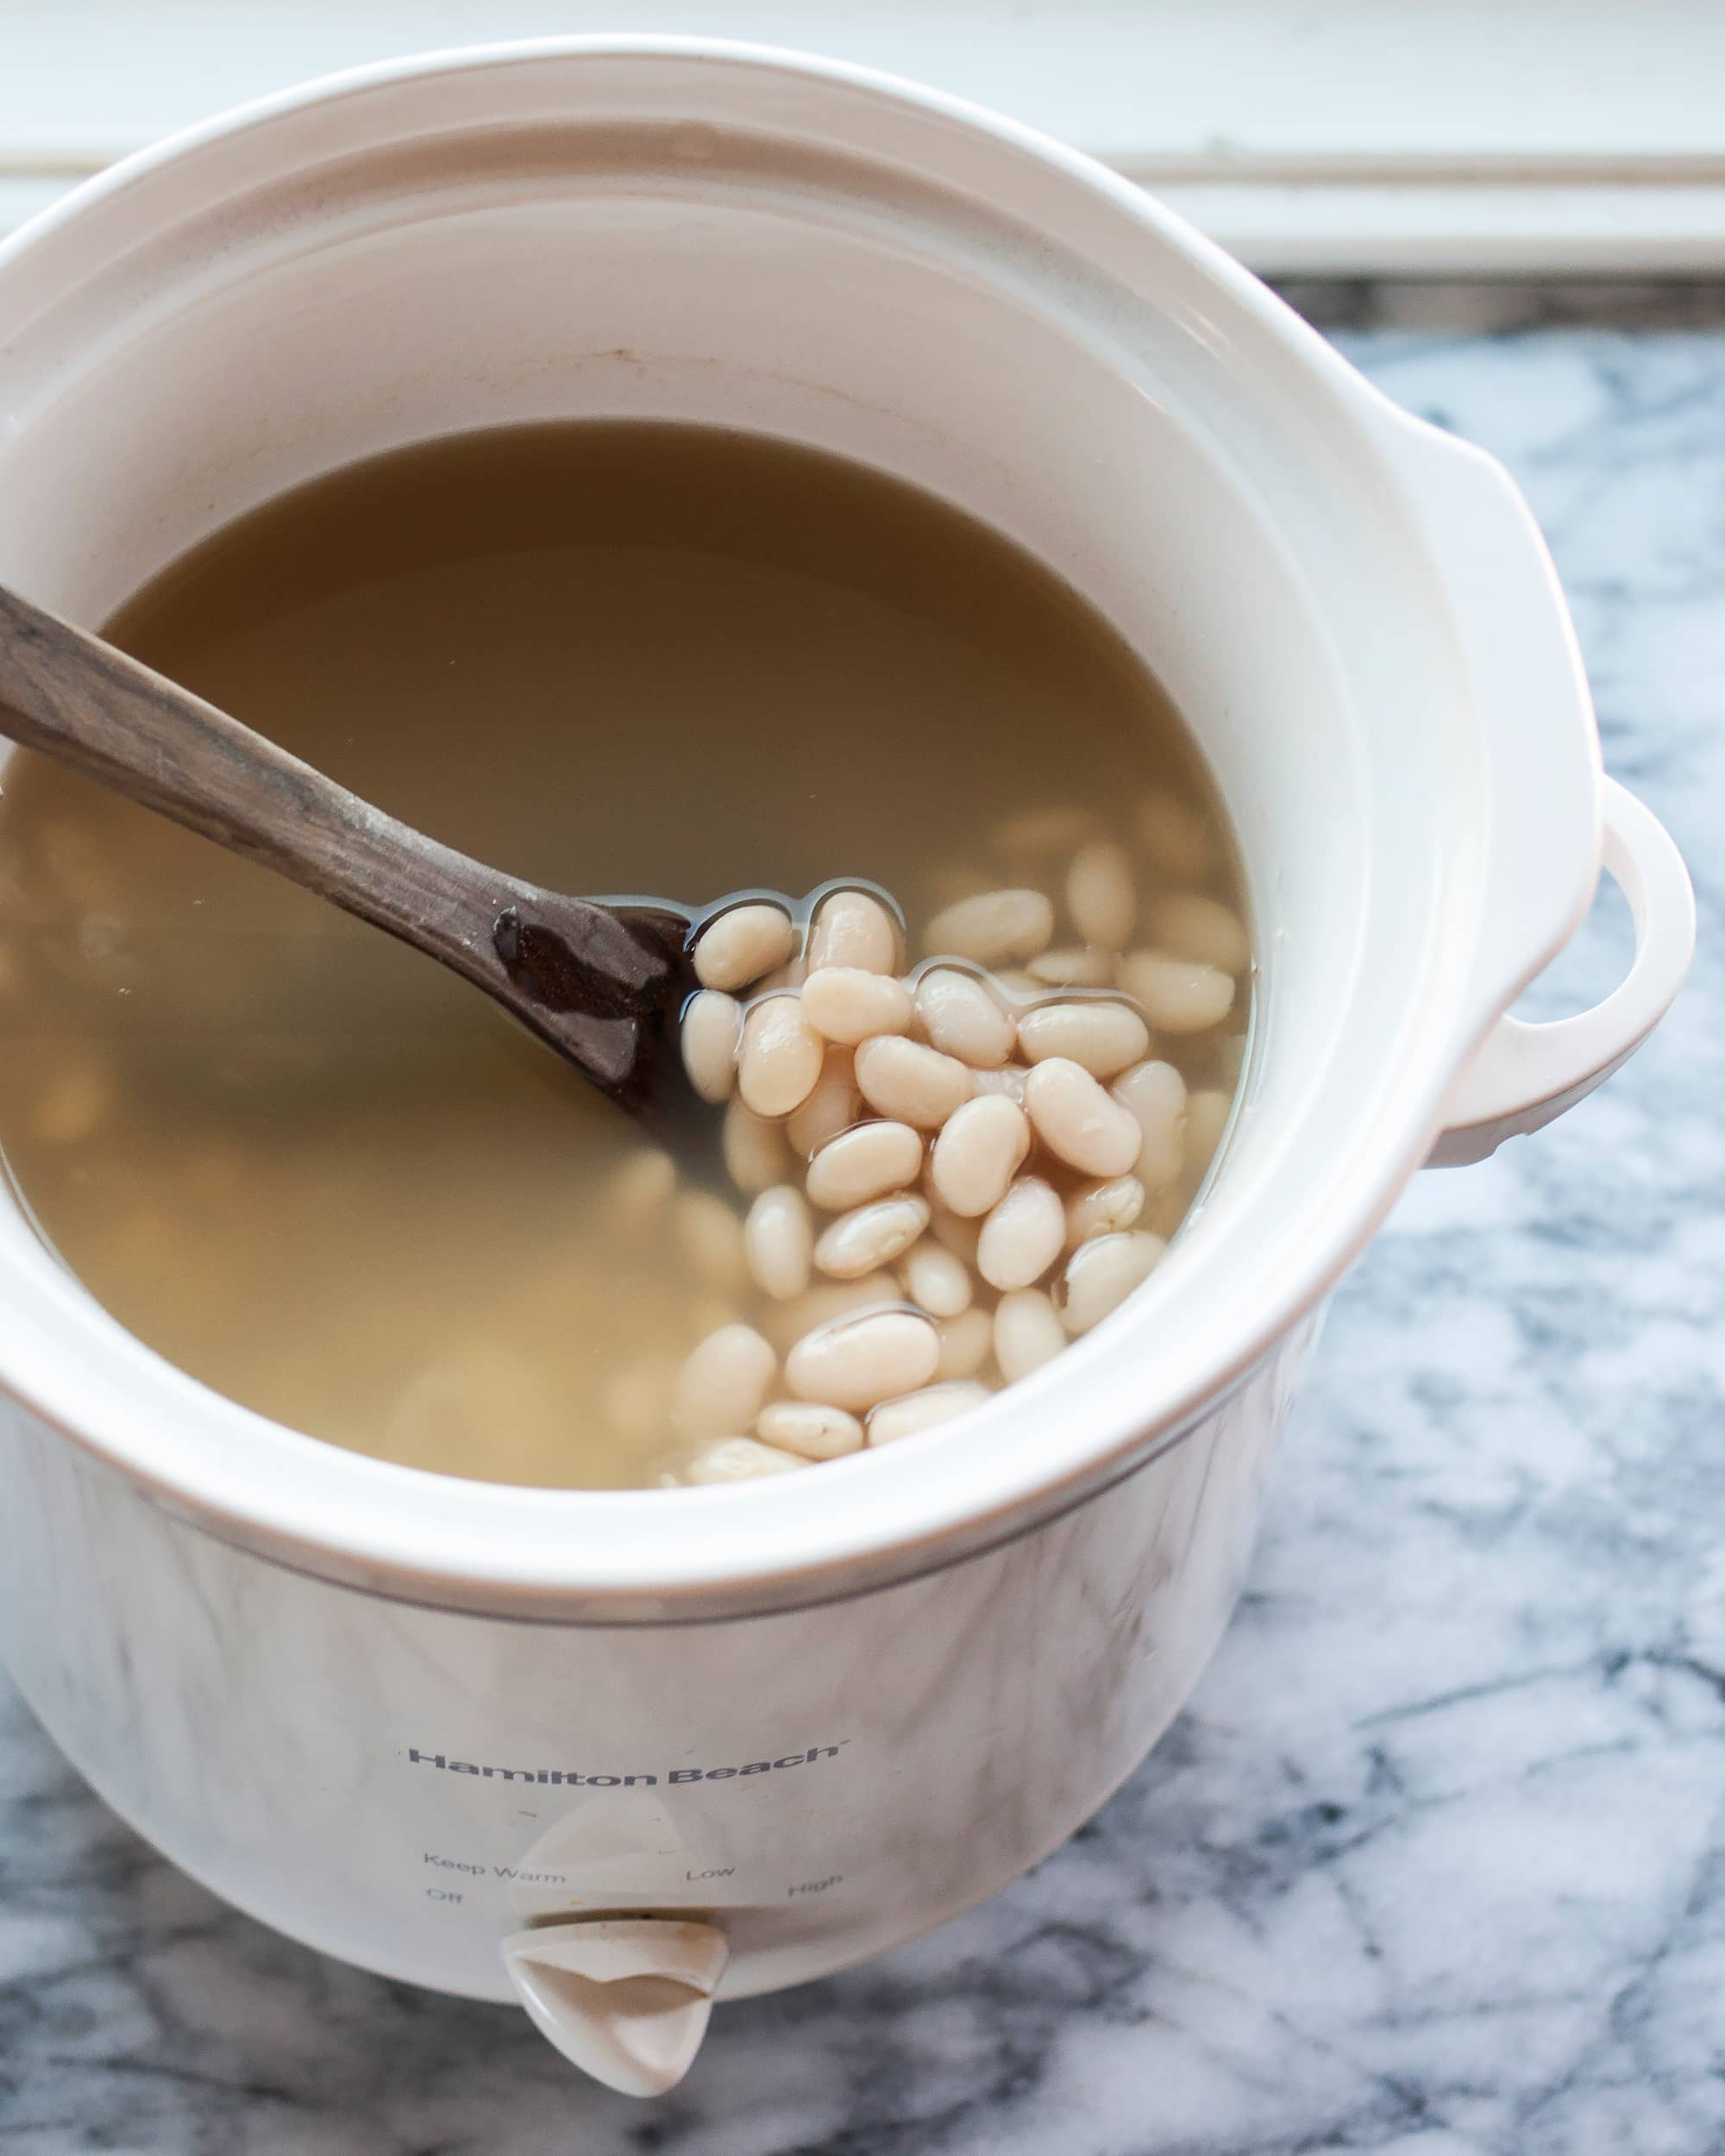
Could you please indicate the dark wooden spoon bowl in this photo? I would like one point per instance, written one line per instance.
(602, 985)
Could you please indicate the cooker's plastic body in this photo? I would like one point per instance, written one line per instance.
(404, 1787)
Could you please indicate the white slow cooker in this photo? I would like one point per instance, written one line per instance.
(617, 1754)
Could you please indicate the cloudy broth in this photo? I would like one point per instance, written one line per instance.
(331, 1180)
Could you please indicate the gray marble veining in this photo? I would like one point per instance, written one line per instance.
(1435, 1864)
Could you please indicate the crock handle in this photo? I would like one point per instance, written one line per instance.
(1523, 1076)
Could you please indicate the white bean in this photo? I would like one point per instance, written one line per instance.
(810, 1429)
(982, 1147)
(641, 1188)
(1041, 831)
(1180, 843)
(1187, 924)
(1178, 995)
(757, 1154)
(778, 1239)
(992, 926)
(1023, 1236)
(1099, 1034)
(1027, 1332)
(738, 1460)
(847, 1003)
(742, 944)
(911, 1412)
(1016, 984)
(834, 1105)
(965, 1342)
(785, 1323)
(911, 1082)
(936, 1281)
(956, 1234)
(1075, 1119)
(781, 1058)
(1206, 1118)
(1102, 1273)
(1103, 1208)
(1154, 1094)
(709, 1239)
(724, 1382)
(957, 1014)
(1073, 968)
(859, 1361)
(851, 929)
(712, 1029)
(1100, 894)
(871, 1236)
(863, 1163)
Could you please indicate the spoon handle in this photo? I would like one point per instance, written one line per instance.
(87, 705)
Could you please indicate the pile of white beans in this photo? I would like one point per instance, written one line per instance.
(951, 1171)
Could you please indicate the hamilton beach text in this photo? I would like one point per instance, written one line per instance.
(568, 1779)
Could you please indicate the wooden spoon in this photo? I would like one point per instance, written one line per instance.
(603, 985)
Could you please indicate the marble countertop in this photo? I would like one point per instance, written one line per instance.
(1434, 1864)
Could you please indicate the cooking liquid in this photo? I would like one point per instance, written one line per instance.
(328, 1178)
